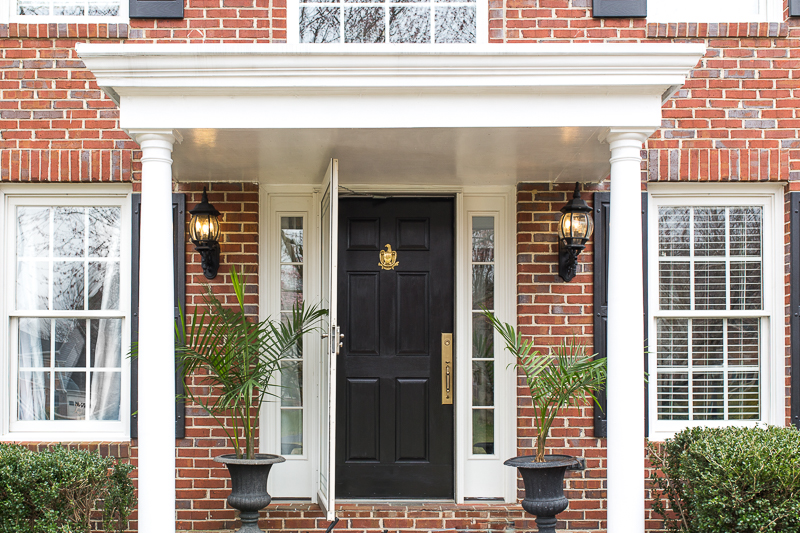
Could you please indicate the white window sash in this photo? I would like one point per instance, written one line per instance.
(772, 361)
(12, 196)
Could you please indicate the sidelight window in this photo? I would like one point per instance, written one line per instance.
(68, 315)
(483, 360)
(291, 294)
(712, 313)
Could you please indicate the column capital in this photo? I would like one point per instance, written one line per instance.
(158, 135)
(616, 134)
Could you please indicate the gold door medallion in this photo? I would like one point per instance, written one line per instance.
(388, 258)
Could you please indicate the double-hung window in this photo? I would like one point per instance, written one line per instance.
(715, 292)
(67, 317)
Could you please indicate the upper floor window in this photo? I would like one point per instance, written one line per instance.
(68, 10)
(388, 21)
(714, 10)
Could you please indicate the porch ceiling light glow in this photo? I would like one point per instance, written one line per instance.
(204, 232)
(574, 229)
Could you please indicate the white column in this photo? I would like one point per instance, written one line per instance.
(625, 391)
(156, 337)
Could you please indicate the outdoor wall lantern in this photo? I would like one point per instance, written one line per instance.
(204, 232)
(574, 229)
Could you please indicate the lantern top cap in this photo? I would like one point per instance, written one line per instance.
(576, 205)
(204, 208)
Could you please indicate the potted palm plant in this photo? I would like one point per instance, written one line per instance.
(564, 377)
(235, 360)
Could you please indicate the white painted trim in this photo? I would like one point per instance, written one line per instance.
(771, 197)
(60, 194)
(294, 477)
(715, 11)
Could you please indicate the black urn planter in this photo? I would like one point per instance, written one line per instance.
(544, 487)
(249, 481)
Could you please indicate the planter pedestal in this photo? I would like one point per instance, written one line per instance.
(544, 487)
(249, 481)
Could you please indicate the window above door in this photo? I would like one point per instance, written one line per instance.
(432, 22)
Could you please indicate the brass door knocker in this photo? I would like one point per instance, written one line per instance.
(388, 258)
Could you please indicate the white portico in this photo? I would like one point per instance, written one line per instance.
(455, 117)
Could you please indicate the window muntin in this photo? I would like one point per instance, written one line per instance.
(711, 322)
(67, 315)
(392, 21)
(482, 355)
(291, 294)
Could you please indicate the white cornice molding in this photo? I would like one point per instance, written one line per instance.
(129, 69)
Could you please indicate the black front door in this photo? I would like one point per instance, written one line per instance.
(394, 435)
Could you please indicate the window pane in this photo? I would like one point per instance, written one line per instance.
(319, 25)
(291, 286)
(292, 384)
(32, 7)
(707, 396)
(33, 284)
(364, 24)
(482, 337)
(68, 7)
(673, 231)
(33, 396)
(743, 396)
(673, 396)
(709, 231)
(106, 342)
(34, 342)
(410, 25)
(673, 342)
(707, 341)
(674, 292)
(103, 285)
(745, 225)
(743, 341)
(483, 383)
(482, 287)
(70, 396)
(70, 343)
(69, 225)
(33, 231)
(104, 231)
(68, 285)
(709, 285)
(455, 24)
(291, 239)
(483, 239)
(745, 282)
(105, 395)
(102, 8)
(483, 431)
(291, 431)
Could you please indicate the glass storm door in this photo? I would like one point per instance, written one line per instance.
(329, 210)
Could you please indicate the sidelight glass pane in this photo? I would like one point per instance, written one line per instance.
(291, 239)
(483, 383)
(482, 287)
(291, 431)
(70, 396)
(292, 384)
(482, 337)
(291, 286)
(483, 431)
(483, 239)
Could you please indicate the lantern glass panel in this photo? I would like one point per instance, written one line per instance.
(204, 228)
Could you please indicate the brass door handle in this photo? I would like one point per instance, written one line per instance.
(447, 369)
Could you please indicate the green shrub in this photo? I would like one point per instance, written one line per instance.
(729, 480)
(55, 491)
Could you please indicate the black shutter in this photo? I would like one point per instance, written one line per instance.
(794, 8)
(602, 203)
(794, 284)
(155, 9)
(619, 8)
(178, 233)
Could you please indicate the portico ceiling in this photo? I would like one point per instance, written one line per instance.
(459, 114)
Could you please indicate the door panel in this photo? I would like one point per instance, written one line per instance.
(401, 444)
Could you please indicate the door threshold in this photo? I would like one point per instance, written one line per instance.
(399, 501)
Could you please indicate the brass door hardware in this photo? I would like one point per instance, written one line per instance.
(388, 258)
(447, 369)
